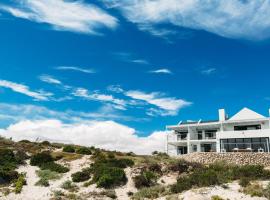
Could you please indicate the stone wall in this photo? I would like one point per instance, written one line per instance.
(233, 158)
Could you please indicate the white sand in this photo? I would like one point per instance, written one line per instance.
(32, 192)
(129, 187)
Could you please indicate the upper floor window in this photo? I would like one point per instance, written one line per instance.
(247, 127)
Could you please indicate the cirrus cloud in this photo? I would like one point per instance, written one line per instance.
(247, 19)
(74, 16)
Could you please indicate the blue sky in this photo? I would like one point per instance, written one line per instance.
(141, 64)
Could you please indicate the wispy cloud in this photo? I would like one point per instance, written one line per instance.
(117, 103)
(14, 113)
(75, 16)
(167, 105)
(209, 71)
(161, 71)
(23, 89)
(74, 68)
(49, 79)
(228, 18)
(129, 57)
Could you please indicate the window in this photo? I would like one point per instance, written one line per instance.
(210, 133)
(182, 135)
(245, 144)
(247, 127)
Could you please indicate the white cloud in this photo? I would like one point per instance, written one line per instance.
(23, 89)
(129, 57)
(75, 16)
(50, 79)
(13, 113)
(247, 19)
(209, 71)
(74, 68)
(166, 105)
(117, 103)
(161, 71)
(115, 88)
(103, 134)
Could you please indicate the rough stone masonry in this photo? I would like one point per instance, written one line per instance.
(238, 158)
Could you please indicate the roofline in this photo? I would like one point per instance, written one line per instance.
(198, 124)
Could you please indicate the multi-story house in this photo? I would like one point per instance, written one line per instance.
(246, 131)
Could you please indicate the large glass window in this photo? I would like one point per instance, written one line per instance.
(245, 144)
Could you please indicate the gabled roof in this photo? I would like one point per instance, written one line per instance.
(246, 113)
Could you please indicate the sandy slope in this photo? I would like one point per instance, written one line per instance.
(32, 192)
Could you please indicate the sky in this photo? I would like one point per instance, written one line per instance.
(114, 73)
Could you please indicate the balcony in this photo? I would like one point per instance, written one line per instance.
(244, 134)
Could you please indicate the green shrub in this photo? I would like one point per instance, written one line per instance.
(80, 176)
(45, 176)
(216, 197)
(109, 193)
(149, 193)
(21, 156)
(244, 181)
(68, 185)
(8, 164)
(7, 160)
(183, 183)
(46, 143)
(145, 179)
(108, 177)
(69, 149)
(8, 176)
(54, 167)
(43, 182)
(20, 183)
(84, 151)
(111, 155)
(41, 158)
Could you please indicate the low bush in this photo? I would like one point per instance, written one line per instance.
(244, 181)
(68, 185)
(145, 179)
(41, 158)
(108, 177)
(183, 183)
(20, 183)
(109, 193)
(8, 164)
(182, 166)
(155, 168)
(69, 149)
(45, 176)
(52, 166)
(43, 182)
(81, 176)
(46, 143)
(216, 197)
(84, 151)
(219, 173)
(255, 189)
(149, 193)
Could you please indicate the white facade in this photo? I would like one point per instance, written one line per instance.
(246, 131)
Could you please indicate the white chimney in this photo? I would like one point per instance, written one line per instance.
(222, 115)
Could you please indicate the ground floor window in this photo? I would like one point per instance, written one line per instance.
(182, 150)
(245, 144)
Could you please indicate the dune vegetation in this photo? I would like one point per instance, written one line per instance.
(59, 171)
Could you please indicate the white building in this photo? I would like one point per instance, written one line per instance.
(246, 131)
